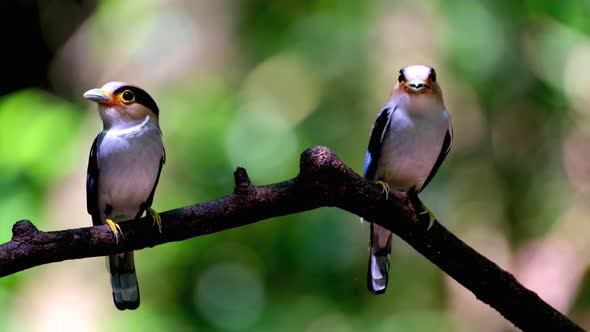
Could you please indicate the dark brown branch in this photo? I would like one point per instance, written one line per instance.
(323, 181)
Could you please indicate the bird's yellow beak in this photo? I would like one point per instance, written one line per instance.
(100, 96)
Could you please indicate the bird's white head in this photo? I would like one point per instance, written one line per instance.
(417, 79)
(122, 105)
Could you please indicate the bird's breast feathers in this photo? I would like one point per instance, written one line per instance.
(411, 147)
(129, 163)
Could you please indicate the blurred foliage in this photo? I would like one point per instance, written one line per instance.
(253, 84)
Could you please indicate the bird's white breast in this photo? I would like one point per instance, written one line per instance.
(411, 147)
(128, 162)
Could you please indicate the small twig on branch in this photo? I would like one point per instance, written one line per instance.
(323, 180)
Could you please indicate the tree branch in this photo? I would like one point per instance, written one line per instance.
(323, 180)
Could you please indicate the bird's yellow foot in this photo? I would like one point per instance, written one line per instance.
(115, 228)
(426, 213)
(385, 187)
(156, 218)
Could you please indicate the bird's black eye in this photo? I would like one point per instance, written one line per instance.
(401, 77)
(432, 75)
(127, 97)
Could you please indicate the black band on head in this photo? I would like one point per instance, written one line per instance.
(141, 97)
(432, 75)
(401, 76)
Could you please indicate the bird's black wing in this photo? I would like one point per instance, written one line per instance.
(92, 182)
(374, 150)
(150, 199)
(446, 147)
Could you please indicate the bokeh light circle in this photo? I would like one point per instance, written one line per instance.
(262, 141)
(230, 296)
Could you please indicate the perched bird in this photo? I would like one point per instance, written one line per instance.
(123, 171)
(409, 141)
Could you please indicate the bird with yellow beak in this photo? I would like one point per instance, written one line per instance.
(124, 167)
(409, 141)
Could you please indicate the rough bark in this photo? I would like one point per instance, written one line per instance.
(323, 180)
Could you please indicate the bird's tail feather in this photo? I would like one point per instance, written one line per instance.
(124, 281)
(378, 270)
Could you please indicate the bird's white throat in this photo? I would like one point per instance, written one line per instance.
(131, 130)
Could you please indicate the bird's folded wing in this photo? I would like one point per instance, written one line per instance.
(446, 147)
(92, 182)
(377, 134)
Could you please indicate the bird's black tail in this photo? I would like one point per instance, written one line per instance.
(378, 270)
(124, 281)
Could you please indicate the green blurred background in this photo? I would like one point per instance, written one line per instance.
(254, 83)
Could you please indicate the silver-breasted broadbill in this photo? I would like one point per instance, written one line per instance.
(124, 167)
(409, 141)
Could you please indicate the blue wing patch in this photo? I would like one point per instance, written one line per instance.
(374, 149)
(368, 161)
